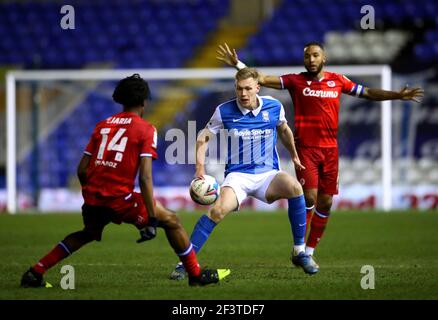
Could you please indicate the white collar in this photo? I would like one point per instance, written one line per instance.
(255, 112)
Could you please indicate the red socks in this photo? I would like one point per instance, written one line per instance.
(317, 227)
(190, 262)
(53, 257)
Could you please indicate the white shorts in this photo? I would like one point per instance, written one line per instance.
(247, 184)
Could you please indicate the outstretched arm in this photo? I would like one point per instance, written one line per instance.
(287, 138)
(230, 57)
(414, 94)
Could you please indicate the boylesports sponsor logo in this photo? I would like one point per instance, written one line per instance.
(252, 134)
(319, 93)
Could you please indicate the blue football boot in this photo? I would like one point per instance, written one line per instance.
(306, 262)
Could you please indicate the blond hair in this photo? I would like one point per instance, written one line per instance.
(247, 73)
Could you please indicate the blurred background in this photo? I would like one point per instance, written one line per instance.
(56, 118)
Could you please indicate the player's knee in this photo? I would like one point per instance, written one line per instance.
(175, 221)
(169, 219)
(310, 201)
(294, 189)
(325, 205)
(217, 213)
(310, 198)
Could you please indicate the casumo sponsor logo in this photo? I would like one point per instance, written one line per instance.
(319, 93)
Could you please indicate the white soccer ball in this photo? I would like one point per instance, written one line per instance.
(204, 190)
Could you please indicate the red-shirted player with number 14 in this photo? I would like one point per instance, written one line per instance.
(119, 147)
(315, 95)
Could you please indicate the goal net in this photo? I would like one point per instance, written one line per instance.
(51, 114)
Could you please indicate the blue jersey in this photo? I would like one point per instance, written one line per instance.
(251, 135)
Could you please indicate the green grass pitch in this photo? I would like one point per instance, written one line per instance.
(401, 246)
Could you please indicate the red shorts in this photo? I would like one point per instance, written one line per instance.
(130, 209)
(322, 169)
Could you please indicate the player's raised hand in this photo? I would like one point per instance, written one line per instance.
(227, 55)
(297, 163)
(414, 94)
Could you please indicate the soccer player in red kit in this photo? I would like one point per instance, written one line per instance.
(119, 147)
(315, 95)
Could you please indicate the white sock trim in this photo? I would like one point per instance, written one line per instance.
(64, 247)
(186, 252)
(310, 250)
(321, 215)
(240, 65)
(298, 249)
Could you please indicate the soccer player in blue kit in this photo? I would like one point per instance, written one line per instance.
(252, 168)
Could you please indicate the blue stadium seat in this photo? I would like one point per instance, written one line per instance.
(423, 52)
(107, 27)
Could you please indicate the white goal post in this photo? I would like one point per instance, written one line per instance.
(383, 71)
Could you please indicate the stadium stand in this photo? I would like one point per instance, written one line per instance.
(146, 34)
(338, 26)
(169, 34)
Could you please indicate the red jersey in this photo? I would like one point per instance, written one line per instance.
(316, 106)
(115, 147)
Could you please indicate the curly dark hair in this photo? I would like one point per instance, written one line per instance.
(131, 91)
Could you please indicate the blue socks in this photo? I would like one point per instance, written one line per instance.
(297, 218)
(203, 229)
